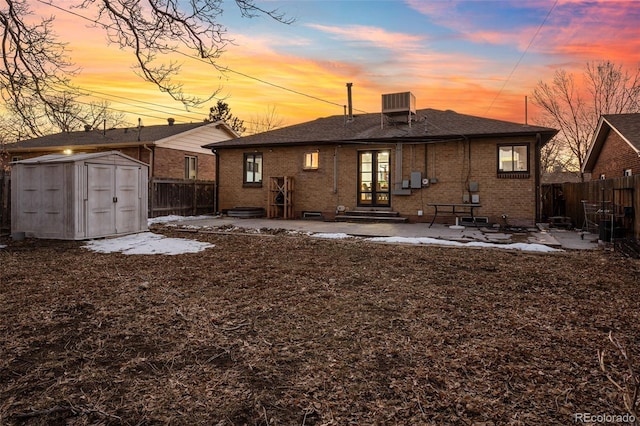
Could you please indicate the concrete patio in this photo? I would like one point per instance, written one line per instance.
(554, 237)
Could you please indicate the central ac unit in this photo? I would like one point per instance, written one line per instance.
(398, 103)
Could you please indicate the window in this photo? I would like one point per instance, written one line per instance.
(311, 160)
(253, 168)
(190, 167)
(513, 160)
(628, 172)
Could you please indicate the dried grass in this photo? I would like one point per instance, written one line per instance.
(291, 330)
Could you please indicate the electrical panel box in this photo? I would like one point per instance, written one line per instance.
(405, 184)
(473, 186)
(475, 198)
(416, 179)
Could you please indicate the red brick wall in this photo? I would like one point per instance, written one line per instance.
(450, 163)
(169, 163)
(616, 156)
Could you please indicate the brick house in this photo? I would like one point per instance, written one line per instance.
(615, 148)
(171, 150)
(400, 161)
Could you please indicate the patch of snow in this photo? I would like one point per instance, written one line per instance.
(147, 243)
(334, 236)
(425, 240)
(175, 218)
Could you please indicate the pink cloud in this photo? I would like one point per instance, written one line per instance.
(373, 35)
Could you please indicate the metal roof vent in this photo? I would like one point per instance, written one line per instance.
(399, 105)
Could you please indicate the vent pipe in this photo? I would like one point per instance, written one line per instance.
(349, 102)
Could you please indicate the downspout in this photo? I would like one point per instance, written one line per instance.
(335, 171)
(216, 203)
(398, 178)
(537, 175)
(150, 182)
(151, 162)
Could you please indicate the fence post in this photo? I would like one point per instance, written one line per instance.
(195, 197)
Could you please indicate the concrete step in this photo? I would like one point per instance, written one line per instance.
(371, 216)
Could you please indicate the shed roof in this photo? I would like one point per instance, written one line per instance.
(72, 158)
(129, 136)
(429, 125)
(627, 126)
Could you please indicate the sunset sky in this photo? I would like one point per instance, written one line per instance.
(475, 57)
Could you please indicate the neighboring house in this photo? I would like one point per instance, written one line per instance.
(171, 150)
(403, 160)
(615, 148)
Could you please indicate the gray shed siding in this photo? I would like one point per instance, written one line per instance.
(80, 196)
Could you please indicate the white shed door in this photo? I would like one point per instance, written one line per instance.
(101, 218)
(127, 199)
(113, 199)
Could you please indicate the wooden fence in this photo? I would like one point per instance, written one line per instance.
(181, 197)
(610, 200)
(166, 197)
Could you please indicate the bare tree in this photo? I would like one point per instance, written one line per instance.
(35, 68)
(263, 123)
(34, 64)
(72, 115)
(99, 114)
(63, 112)
(574, 106)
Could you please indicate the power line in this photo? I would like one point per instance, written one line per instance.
(189, 119)
(132, 105)
(218, 67)
(522, 56)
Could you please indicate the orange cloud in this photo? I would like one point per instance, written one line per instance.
(261, 75)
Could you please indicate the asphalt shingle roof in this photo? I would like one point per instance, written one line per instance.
(429, 124)
(121, 136)
(628, 125)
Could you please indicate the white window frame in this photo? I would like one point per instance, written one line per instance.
(252, 168)
(311, 160)
(518, 164)
(190, 167)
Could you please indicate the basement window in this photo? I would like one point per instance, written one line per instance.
(311, 160)
(253, 169)
(513, 161)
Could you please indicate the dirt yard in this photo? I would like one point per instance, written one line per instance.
(292, 330)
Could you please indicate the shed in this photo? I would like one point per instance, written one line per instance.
(80, 196)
